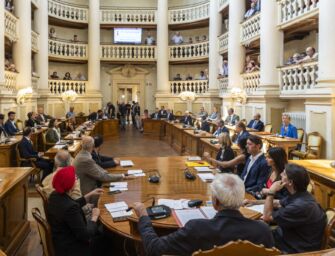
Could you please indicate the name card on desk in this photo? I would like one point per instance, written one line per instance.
(206, 177)
(126, 163)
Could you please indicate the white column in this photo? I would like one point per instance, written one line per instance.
(162, 47)
(22, 48)
(94, 46)
(2, 43)
(272, 47)
(215, 24)
(42, 62)
(236, 52)
(326, 44)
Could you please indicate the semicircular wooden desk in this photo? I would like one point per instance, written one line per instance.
(173, 185)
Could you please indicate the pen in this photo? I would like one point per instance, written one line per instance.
(129, 209)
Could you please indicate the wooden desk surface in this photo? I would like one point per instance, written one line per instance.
(73, 149)
(10, 176)
(172, 185)
(217, 146)
(200, 134)
(233, 128)
(181, 126)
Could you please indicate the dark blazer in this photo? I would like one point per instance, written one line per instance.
(244, 135)
(31, 122)
(163, 113)
(3, 130)
(228, 155)
(226, 226)
(205, 126)
(187, 120)
(104, 161)
(170, 117)
(156, 115)
(93, 116)
(26, 149)
(221, 130)
(10, 129)
(70, 232)
(51, 136)
(259, 126)
(258, 174)
(40, 119)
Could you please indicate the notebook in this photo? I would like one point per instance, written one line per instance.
(197, 164)
(126, 163)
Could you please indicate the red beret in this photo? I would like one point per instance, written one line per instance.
(64, 179)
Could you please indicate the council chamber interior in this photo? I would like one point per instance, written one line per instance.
(167, 127)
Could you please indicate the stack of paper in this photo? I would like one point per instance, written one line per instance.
(136, 173)
(209, 211)
(174, 204)
(126, 163)
(257, 208)
(202, 169)
(183, 216)
(122, 186)
(194, 158)
(206, 177)
(118, 210)
(58, 146)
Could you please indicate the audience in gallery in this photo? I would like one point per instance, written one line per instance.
(256, 123)
(220, 128)
(202, 76)
(32, 119)
(81, 77)
(101, 160)
(67, 76)
(287, 129)
(232, 118)
(309, 55)
(3, 132)
(10, 125)
(70, 113)
(190, 40)
(75, 39)
(224, 69)
(53, 134)
(9, 64)
(215, 116)
(240, 132)
(300, 219)
(255, 7)
(189, 77)
(9, 6)
(187, 119)
(228, 225)
(27, 152)
(54, 75)
(256, 170)
(250, 66)
(177, 38)
(149, 40)
(52, 33)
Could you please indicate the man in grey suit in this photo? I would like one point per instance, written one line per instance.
(232, 118)
(89, 173)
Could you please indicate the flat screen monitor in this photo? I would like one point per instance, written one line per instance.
(127, 35)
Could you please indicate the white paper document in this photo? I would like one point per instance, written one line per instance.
(202, 169)
(112, 189)
(132, 172)
(209, 211)
(121, 214)
(257, 208)
(126, 163)
(194, 158)
(58, 146)
(122, 184)
(116, 207)
(206, 177)
(174, 204)
(184, 216)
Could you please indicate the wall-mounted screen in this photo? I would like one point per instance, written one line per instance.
(127, 35)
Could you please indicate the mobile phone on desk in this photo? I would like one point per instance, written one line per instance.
(114, 192)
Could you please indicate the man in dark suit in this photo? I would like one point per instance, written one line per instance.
(187, 119)
(204, 124)
(103, 161)
(111, 110)
(156, 115)
(10, 125)
(227, 225)
(2, 127)
(32, 122)
(256, 170)
(27, 152)
(93, 116)
(163, 112)
(169, 115)
(221, 129)
(41, 116)
(241, 132)
(256, 123)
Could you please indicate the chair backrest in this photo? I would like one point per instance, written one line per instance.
(329, 235)
(44, 198)
(314, 142)
(239, 248)
(19, 124)
(45, 233)
(178, 113)
(2, 253)
(244, 121)
(301, 134)
(268, 128)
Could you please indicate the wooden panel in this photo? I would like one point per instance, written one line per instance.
(153, 128)
(275, 114)
(59, 110)
(248, 113)
(196, 107)
(93, 107)
(110, 128)
(78, 107)
(182, 107)
(320, 124)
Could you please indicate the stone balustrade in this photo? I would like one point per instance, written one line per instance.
(223, 85)
(250, 29)
(196, 86)
(67, 50)
(10, 81)
(128, 52)
(223, 42)
(189, 14)
(66, 11)
(189, 51)
(34, 41)
(129, 16)
(60, 86)
(11, 26)
(251, 81)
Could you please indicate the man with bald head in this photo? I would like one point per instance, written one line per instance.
(89, 173)
(256, 123)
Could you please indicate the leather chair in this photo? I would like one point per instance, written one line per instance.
(44, 198)
(268, 128)
(45, 233)
(329, 236)
(239, 248)
(313, 147)
(46, 145)
(19, 124)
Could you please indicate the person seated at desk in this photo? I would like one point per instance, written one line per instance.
(220, 129)
(162, 112)
(103, 161)
(169, 115)
(53, 134)
(187, 119)
(232, 119)
(94, 116)
(227, 225)
(204, 125)
(10, 125)
(225, 153)
(202, 113)
(32, 121)
(27, 152)
(91, 175)
(3, 132)
(71, 124)
(300, 219)
(71, 113)
(71, 233)
(241, 132)
(256, 170)
(41, 116)
(156, 115)
(256, 123)
(287, 129)
(215, 116)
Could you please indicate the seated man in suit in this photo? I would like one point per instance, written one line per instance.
(215, 116)
(232, 119)
(162, 112)
(256, 123)
(2, 127)
(204, 124)
(241, 132)
(93, 116)
(53, 134)
(10, 125)
(156, 115)
(221, 129)
(27, 152)
(187, 119)
(227, 225)
(103, 161)
(287, 129)
(256, 170)
(32, 122)
(91, 175)
(202, 113)
(169, 115)
(41, 116)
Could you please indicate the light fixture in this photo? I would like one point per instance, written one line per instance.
(187, 96)
(69, 96)
(238, 94)
(23, 94)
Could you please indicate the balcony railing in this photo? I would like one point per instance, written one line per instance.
(34, 41)
(128, 52)
(196, 86)
(250, 29)
(60, 86)
(298, 77)
(189, 14)
(67, 50)
(251, 81)
(69, 12)
(10, 81)
(293, 10)
(223, 85)
(116, 16)
(189, 51)
(223, 4)
(11, 26)
(34, 82)
(223, 42)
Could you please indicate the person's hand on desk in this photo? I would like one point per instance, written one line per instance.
(40, 154)
(117, 161)
(95, 192)
(140, 209)
(207, 156)
(95, 214)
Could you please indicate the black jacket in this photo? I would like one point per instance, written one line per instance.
(10, 128)
(26, 149)
(70, 232)
(156, 115)
(3, 130)
(226, 226)
(31, 122)
(104, 161)
(187, 120)
(228, 155)
(170, 116)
